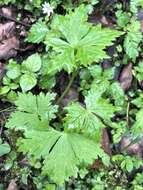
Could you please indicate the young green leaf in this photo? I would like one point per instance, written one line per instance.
(4, 90)
(139, 71)
(83, 120)
(63, 152)
(138, 125)
(76, 42)
(4, 149)
(32, 63)
(32, 112)
(132, 40)
(28, 81)
(134, 4)
(89, 120)
(37, 32)
(102, 107)
(13, 70)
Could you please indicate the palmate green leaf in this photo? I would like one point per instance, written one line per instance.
(89, 120)
(23, 121)
(83, 120)
(37, 32)
(76, 42)
(91, 47)
(62, 152)
(102, 107)
(32, 112)
(65, 60)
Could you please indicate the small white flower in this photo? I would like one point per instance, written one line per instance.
(47, 9)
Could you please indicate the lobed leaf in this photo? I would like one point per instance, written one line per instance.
(33, 112)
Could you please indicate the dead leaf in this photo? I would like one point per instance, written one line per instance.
(12, 185)
(97, 165)
(7, 11)
(6, 30)
(141, 22)
(104, 21)
(131, 149)
(24, 162)
(106, 64)
(106, 142)
(8, 48)
(140, 15)
(126, 77)
(72, 95)
(140, 18)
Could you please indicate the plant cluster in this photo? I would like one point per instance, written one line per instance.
(62, 142)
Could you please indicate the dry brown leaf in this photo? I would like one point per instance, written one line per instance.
(24, 162)
(72, 95)
(140, 18)
(7, 11)
(8, 48)
(12, 185)
(97, 165)
(106, 142)
(6, 30)
(141, 25)
(131, 149)
(126, 77)
(104, 21)
(106, 64)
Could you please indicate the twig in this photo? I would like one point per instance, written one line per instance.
(67, 88)
(13, 19)
(7, 109)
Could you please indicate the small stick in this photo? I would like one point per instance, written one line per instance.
(13, 19)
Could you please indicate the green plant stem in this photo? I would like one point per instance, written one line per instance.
(67, 88)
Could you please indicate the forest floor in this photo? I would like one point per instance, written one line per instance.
(71, 100)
